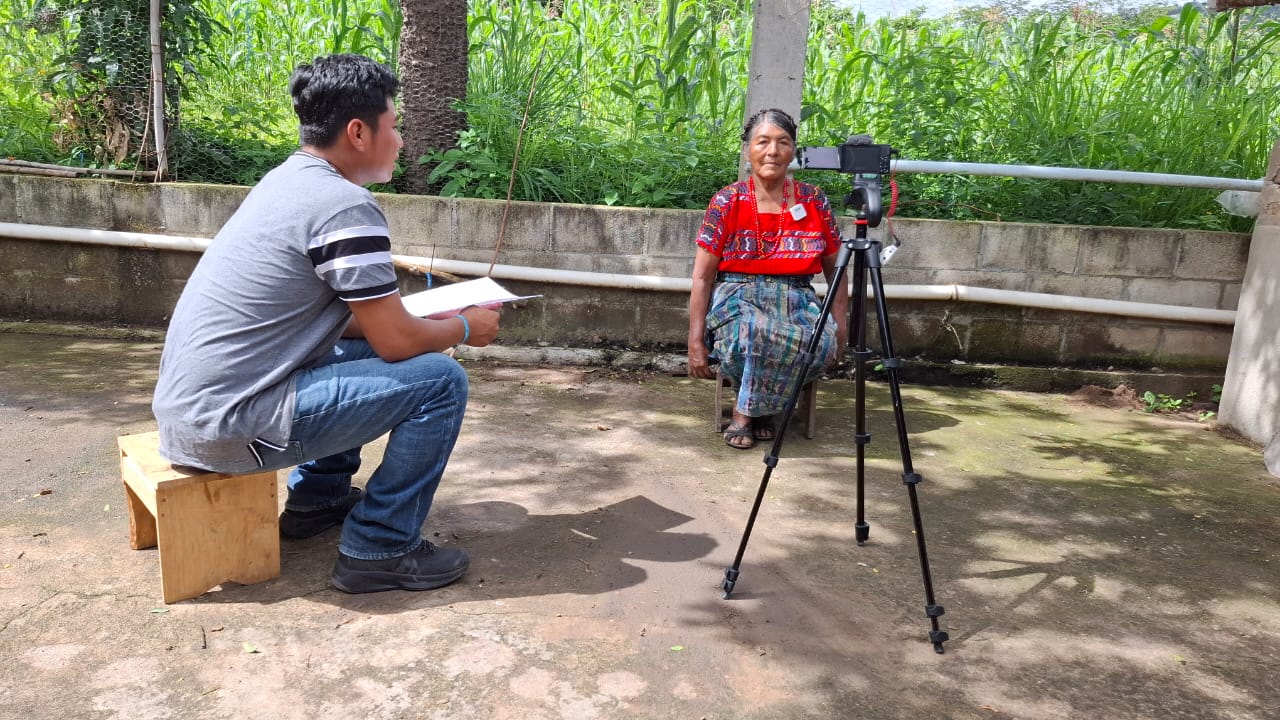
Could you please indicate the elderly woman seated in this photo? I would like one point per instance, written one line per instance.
(753, 309)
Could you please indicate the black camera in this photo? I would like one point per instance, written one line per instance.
(862, 159)
(856, 156)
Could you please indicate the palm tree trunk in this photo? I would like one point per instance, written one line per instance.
(433, 75)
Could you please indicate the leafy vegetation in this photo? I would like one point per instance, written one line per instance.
(241, 123)
(1153, 402)
(89, 62)
(639, 102)
(1163, 403)
(627, 107)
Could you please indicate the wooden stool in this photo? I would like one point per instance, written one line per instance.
(210, 527)
(806, 406)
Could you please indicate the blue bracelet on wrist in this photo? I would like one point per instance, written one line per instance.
(466, 329)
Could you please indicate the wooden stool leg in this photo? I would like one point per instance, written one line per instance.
(717, 406)
(142, 523)
(811, 409)
(142, 512)
(808, 403)
(217, 530)
(718, 423)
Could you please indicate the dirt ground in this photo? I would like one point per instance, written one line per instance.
(1094, 561)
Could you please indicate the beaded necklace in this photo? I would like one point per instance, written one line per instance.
(755, 208)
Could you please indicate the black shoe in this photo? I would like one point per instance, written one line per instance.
(299, 524)
(423, 569)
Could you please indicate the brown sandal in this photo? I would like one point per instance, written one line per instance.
(736, 431)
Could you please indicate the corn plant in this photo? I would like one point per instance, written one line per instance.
(242, 123)
(1188, 93)
(627, 103)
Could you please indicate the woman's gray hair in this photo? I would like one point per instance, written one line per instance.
(773, 116)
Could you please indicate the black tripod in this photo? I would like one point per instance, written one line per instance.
(866, 264)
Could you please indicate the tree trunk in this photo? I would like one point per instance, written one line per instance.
(433, 75)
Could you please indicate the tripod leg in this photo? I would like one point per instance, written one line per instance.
(909, 477)
(861, 354)
(771, 460)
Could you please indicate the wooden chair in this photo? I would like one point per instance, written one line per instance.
(209, 527)
(806, 406)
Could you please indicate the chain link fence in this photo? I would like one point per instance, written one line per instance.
(75, 78)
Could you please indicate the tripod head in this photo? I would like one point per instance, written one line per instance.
(865, 161)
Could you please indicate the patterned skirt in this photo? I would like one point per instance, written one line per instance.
(758, 328)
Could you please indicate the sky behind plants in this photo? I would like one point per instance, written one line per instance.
(933, 8)
(897, 8)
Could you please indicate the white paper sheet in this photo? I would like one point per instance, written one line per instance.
(448, 300)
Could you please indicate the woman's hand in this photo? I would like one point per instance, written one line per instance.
(699, 361)
(840, 303)
(704, 279)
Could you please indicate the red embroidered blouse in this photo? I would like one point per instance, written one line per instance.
(769, 243)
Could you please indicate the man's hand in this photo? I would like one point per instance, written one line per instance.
(484, 325)
(397, 335)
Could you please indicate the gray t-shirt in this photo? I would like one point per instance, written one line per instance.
(266, 300)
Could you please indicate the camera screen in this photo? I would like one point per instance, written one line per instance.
(848, 158)
(820, 158)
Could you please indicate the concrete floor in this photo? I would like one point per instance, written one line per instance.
(1093, 562)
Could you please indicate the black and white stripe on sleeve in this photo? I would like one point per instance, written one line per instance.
(355, 261)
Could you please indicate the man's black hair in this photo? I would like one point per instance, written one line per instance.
(773, 116)
(333, 90)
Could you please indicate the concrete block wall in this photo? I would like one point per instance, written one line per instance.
(76, 282)
(1169, 267)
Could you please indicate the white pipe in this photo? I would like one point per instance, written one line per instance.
(1088, 174)
(1126, 308)
(939, 293)
(1048, 172)
(90, 236)
(954, 293)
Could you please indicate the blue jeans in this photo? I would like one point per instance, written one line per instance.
(353, 399)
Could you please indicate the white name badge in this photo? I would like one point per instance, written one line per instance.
(797, 212)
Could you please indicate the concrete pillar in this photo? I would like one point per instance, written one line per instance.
(779, 38)
(1251, 392)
